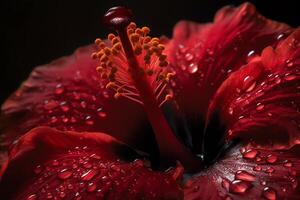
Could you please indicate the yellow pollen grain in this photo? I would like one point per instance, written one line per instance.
(115, 40)
(161, 46)
(132, 25)
(98, 41)
(111, 36)
(168, 97)
(147, 39)
(99, 69)
(130, 31)
(117, 95)
(146, 30)
(103, 58)
(110, 85)
(107, 51)
(134, 37)
(94, 55)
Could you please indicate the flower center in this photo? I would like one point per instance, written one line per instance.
(133, 65)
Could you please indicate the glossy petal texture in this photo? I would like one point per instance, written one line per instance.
(248, 173)
(261, 101)
(86, 165)
(67, 94)
(204, 54)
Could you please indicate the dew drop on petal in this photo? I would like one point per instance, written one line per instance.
(189, 57)
(64, 107)
(251, 87)
(59, 89)
(289, 77)
(38, 169)
(250, 154)
(49, 196)
(287, 164)
(62, 194)
(269, 193)
(251, 53)
(192, 68)
(239, 186)
(245, 176)
(64, 174)
(280, 36)
(270, 170)
(32, 197)
(259, 106)
(89, 120)
(91, 187)
(55, 163)
(257, 168)
(89, 174)
(230, 110)
(271, 159)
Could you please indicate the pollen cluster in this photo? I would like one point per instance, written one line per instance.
(115, 70)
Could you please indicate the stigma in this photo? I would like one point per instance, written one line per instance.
(134, 66)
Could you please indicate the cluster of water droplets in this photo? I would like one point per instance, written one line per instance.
(82, 173)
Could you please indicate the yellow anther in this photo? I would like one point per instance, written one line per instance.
(130, 31)
(161, 46)
(98, 41)
(149, 72)
(111, 36)
(115, 40)
(155, 43)
(162, 57)
(107, 51)
(134, 38)
(138, 49)
(103, 58)
(94, 55)
(163, 64)
(117, 95)
(146, 30)
(132, 25)
(115, 51)
(110, 85)
(102, 45)
(155, 39)
(99, 69)
(117, 46)
(170, 75)
(99, 54)
(147, 39)
(139, 31)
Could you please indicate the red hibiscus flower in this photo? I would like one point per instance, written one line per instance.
(212, 113)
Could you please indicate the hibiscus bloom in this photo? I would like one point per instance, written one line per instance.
(212, 113)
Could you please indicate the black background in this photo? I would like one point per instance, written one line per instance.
(35, 32)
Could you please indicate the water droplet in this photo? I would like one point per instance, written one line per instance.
(270, 170)
(250, 154)
(257, 168)
(65, 119)
(239, 186)
(38, 169)
(95, 156)
(59, 89)
(251, 53)
(230, 110)
(259, 106)
(83, 104)
(269, 193)
(62, 195)
(88, 120)
(263, 182)
(101, 113)
(53, 119)
(271, 158)
(49, 105)
(280, 36)
(105, 94)
(251, 87)
(55, 163)
(32, 197)
(289, 77)
(193, 68)
(64, 174)
(89, 174)
(49, 195)
(64, 107)
(287, 163)
(91, 187)
(189, 57)
(245, 176)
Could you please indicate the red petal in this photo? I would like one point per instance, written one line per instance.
(249, 174)
(66, 94)
(261, 101)
(88, 165)
(204, 55)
